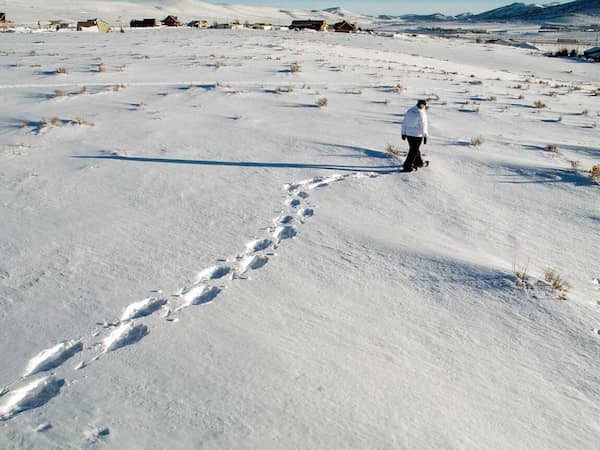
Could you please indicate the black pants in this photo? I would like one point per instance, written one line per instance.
(414, 154)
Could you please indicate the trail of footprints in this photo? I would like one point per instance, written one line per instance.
(207, 285)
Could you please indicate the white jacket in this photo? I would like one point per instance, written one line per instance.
(415, 123)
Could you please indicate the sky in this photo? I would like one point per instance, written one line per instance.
(388, 6)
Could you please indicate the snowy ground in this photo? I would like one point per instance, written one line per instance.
(351, 305)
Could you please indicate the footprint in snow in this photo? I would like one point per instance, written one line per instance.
(52, 357)
(212, 273)
(292, 202)
(30, 396)
(253, 262)
(306, 212)
(284, 220)
(142, 308)
(284, 232)
(199, 294)
(291, 187)
(126, 334)
(95, 434)
(258, 245)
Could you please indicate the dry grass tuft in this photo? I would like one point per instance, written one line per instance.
(595, 173)
(295, 68)
(101, 67)
(557, 283)
(399, 88)
(54, 122)
(62, 70)
(539, 104)
(322, 102)
(393, 150)
(476, 141)
(522, 275)
(553, 148)
(59, 93)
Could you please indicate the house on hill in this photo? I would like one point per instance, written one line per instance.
(144, 23)
(171, 21)
(262, 26)
(344, 27)
(317, 25)
(94, 25)
(235, 25)
(198, 24)
(592, 53)
(59, 24)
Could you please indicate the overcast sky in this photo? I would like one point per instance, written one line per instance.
(386, 6)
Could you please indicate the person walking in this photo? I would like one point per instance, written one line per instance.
(415, 129)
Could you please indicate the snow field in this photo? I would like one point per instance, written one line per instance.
(357, 305)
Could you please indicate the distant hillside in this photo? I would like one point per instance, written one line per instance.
(586, 11)
(580, 9)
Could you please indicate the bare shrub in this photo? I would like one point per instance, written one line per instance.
(575, 165)
(54, 121)
(117, 87)
(393, 150)
(220, 64)
(553, 148)
(492, 98)
(521, 97)
(476, 141)
(83, 90)
(101, 67)
(522, 275)
(557, 283)
(559, 119)
(539, 104)
(399, 88)
(59, 93)
(322, 102)
(595, 172)
(295, 68)
(585, 112)
(62, 70)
